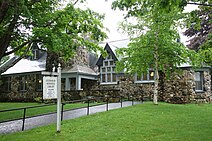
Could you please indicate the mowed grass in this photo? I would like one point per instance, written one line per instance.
(10, 115)
(143, 122)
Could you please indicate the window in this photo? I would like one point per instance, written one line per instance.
(35, 53)
(199, 81)
(39, 82)
(107, 71)
(6, 84)
(63, 84)
(146, 77)
(22, 83)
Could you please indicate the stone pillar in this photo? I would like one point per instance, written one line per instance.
(207, 83)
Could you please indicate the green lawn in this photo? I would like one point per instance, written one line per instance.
(32, 111)
(143, 122)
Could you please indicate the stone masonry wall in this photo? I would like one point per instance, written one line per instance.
(15, 95)
(127, 88)
(180, 88)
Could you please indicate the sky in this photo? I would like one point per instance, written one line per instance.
(112, 20)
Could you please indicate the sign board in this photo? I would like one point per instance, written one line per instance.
(49, 87)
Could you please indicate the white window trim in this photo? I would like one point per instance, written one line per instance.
(106, 72)
(199, 91)
(144, 81)
(202, 82)
(108, 83)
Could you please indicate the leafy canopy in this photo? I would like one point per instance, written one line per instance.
(200, 32)
(61, 30)
(157, 36)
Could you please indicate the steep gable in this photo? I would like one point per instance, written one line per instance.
(110, 52)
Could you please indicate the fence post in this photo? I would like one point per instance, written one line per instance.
(62, 111)
(121, 101)
(132, 101)
(24, 116)
(88, 107)
(107, 102)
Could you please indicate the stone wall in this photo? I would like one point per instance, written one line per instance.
(207, 83)
(180, 87)
(127, 88)
(23, 96)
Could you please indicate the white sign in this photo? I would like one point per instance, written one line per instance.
(49, 87)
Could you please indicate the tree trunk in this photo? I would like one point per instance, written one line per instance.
(155, 96)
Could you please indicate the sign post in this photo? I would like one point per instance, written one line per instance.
(59, 98)
(52, 90)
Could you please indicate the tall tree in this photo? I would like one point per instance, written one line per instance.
(60, 30)
(153, 37)
(199, 29)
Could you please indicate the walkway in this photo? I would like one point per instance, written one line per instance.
(33, 122)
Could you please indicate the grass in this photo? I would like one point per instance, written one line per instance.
(143, 122)
(4, 116)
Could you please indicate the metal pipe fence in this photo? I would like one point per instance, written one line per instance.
(89, 100)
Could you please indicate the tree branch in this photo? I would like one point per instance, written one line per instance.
(202, 4)
(19, 47)
(75, 2)
(6, 67)
(4, 6)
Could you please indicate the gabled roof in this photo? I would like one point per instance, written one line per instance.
(80, 69)
(27, 65)
(109, 51)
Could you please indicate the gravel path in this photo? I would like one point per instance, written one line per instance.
(33, 122)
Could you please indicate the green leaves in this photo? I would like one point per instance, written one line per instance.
(58, 30)
(156, 46)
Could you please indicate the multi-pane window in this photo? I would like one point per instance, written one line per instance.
(22, 83)
(199, 81)
(146, 77)
(7, 84)
(107, 71)
(39, 82)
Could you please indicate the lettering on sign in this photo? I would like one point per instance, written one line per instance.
(49, 87)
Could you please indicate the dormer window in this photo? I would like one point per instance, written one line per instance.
(35, 53)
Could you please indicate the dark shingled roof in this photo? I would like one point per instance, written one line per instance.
(109, 51)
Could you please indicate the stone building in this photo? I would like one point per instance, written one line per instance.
(186, 86)
(23, 81)
(88, 75)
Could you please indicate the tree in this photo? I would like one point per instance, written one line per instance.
(24, 22)
(4, 59)
(200, 33)
(153, 38)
